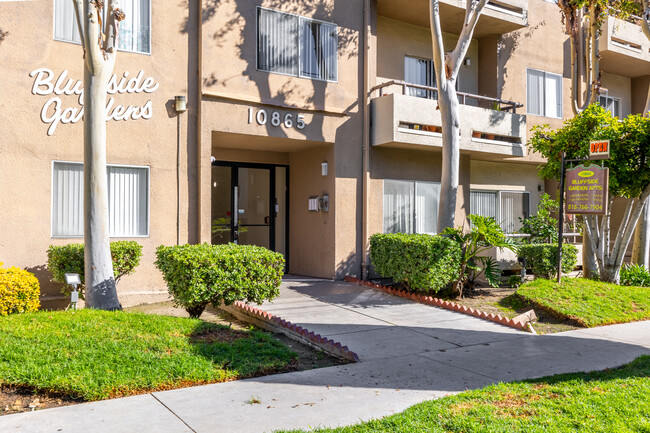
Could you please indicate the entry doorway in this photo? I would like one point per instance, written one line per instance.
(250, 205)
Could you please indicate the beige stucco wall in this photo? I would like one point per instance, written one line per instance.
(27, 151)
(619, 87)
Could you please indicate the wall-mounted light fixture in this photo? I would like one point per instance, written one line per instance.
(323, 168)
(467, 61)
(180, 104)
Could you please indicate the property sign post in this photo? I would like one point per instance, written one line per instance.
(587, 189)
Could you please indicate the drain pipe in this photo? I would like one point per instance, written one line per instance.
(365, 165)
(180, 105)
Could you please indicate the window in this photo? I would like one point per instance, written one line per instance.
(411, 207)
(544, 93)
(613, 105)
(506, 207)
(292, 45)
(135, 30)
(128, 200)
(420, 71)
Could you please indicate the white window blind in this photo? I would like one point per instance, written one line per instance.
(319, 48)
(506, 207)
(292, 45)
(277, 43)
(419, 71)
(410, 207)
(128, 200)
(543, 93)
(135, 30)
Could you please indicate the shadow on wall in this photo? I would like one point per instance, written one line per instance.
(243, 26)
(507, 45)
(3, 35)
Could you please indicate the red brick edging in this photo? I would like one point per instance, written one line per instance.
(436, 302)
(287, 327)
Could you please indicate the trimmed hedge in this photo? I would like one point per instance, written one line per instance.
(542, 258)
(19, 291)
(198, 275)
(70, 259)
(422, 262)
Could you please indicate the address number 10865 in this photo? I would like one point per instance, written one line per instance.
(276, 118)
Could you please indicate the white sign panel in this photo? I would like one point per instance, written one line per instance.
(54, 112)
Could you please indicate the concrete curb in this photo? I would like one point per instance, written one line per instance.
(273, 323)
(448, 305)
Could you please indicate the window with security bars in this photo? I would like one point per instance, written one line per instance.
(613, 105)
(128, 200)
(506, 207)
(135, 30)
(543, 93)
(293, 45)
(410, 206)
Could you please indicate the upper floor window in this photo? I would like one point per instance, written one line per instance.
(135, 30)
(420, 71)
(293, 45)
(544, 93)
(613, 105)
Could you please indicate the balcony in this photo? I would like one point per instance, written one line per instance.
(404, 121)
(498, 16)
(624, 49)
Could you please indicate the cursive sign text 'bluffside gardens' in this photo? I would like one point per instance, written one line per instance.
(54, 113)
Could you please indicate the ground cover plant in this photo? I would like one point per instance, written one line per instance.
(608, 401)
(587, 302)
(93, 355)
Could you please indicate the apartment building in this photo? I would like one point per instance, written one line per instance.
(310, 125)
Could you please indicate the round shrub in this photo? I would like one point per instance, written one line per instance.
(425, 263)
(70, 259)
(19, 291)
(542, 258)
(198, 275)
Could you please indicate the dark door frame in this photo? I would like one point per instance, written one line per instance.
(272, 187)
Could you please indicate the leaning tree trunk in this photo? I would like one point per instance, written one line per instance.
(99, 41)
(641, 249)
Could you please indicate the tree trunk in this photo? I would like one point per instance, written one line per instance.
(589, 262)
(611, 273)
(641, 250)
(101, 291)
(448, 103)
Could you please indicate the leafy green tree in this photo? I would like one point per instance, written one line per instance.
(629, 176)
(542, 227)
(484, 234)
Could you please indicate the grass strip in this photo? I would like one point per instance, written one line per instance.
(93, 355)
(587, 302)
(608, 401)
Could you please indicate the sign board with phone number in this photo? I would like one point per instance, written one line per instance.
(586, 190)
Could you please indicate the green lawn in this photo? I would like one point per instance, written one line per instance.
(609, 401)
(587, 302)
(94, 355)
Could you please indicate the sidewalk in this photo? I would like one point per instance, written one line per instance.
(409, 353)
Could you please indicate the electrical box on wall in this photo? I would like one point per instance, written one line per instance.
(319, 204)
(314, 204)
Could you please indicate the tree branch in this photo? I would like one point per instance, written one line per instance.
(472, 13)
(591, 224)
(115, 15)
(438, 47)
(633, 219)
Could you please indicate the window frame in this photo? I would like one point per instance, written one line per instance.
(299, 45)
(145, 167)
(613, 99)
(560, 96)
(415, 214)
(499, 204)
(146, 53)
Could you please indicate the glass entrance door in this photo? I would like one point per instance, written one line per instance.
(249, 205)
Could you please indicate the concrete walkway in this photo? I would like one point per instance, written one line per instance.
(409, 353)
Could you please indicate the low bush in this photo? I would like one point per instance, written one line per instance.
(542, 258)
(422, 262)
(19, 291)
(70, 259)
(635, 275)
(198, 275)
